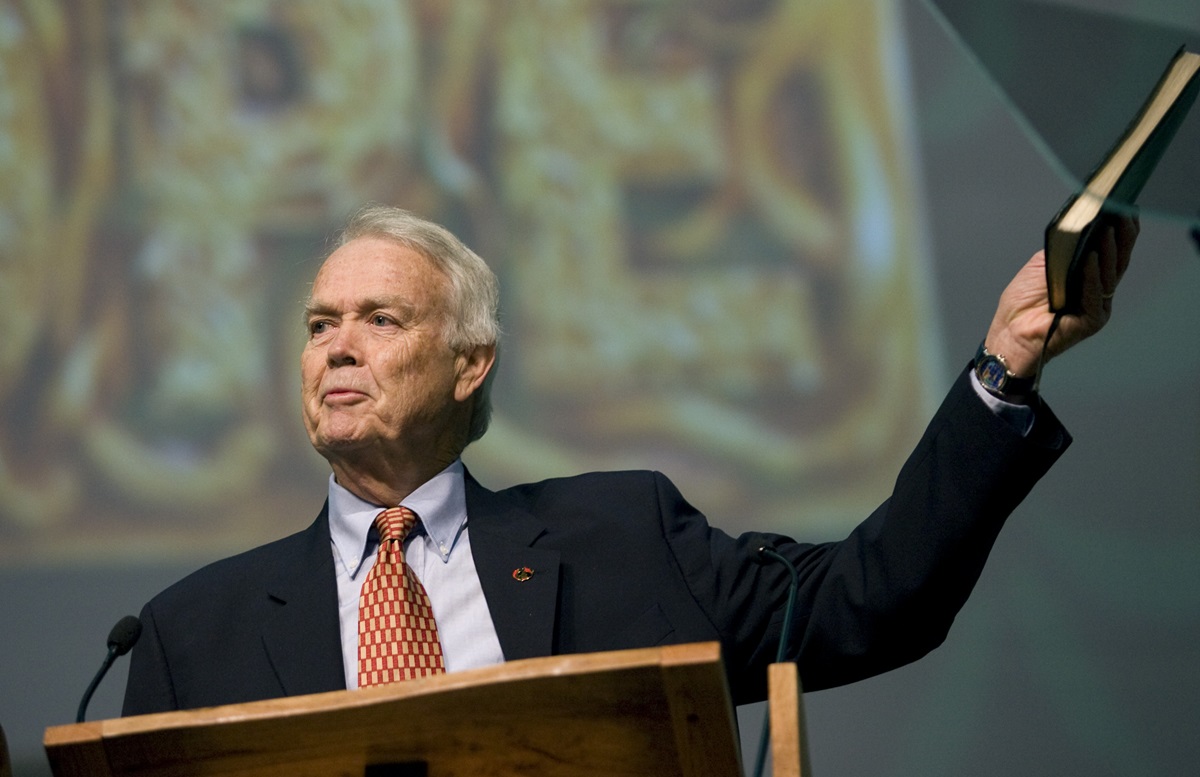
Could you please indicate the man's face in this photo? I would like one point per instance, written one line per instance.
(377, 375)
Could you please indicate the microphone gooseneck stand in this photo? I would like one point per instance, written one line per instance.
(781, 654)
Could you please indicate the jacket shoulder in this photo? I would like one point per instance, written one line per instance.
(580, 487)
(241, 571)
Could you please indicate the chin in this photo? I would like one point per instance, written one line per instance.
(339, 444)
(327, 442)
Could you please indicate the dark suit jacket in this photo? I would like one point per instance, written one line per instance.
(620, 560)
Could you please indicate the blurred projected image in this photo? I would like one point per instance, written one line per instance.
(703, 214)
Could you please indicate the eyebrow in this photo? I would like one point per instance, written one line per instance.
(313, 308)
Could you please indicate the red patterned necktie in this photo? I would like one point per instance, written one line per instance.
(397, 636)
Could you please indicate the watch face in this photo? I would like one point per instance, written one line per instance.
(992, 373)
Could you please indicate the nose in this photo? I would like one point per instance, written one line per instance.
(342, 350)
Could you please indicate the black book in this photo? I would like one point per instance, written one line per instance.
(1118, 178)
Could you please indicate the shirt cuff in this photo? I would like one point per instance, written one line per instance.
(1019, 417)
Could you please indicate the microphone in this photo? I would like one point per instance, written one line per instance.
(767, 554)
(120, 641)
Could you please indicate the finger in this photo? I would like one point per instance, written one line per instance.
(1096, 297)
(1127, 230)
(1108, 261)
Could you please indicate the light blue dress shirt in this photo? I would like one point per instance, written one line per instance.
(438, 550)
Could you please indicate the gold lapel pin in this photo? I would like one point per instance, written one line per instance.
(521, 574)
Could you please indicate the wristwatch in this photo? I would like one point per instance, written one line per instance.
(995, 376)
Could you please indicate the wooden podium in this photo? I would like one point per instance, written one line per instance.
(652, 712)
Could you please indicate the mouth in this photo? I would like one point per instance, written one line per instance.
(341, 396)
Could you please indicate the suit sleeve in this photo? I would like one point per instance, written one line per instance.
(887, 593)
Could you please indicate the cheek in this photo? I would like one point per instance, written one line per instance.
(310, 372)
(418, 382)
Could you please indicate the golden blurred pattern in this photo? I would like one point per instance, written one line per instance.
(704, 217)
(717, 259)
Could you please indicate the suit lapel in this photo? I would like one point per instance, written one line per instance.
(520, 582)
(302, 636)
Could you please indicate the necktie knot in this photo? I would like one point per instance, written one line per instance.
(395, 524)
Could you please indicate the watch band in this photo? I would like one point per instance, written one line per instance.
(994, 375)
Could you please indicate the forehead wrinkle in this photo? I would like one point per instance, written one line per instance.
(438, 308)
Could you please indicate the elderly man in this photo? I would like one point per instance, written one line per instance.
(401, 345)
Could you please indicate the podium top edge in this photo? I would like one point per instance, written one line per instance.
(696, 655)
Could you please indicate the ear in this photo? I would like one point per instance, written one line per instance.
(472, 367)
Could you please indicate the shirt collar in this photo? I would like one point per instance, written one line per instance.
(441, 502)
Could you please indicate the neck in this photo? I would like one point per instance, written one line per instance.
(387, 483)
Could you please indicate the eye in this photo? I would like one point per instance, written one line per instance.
(380, 319)
(317, 327)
